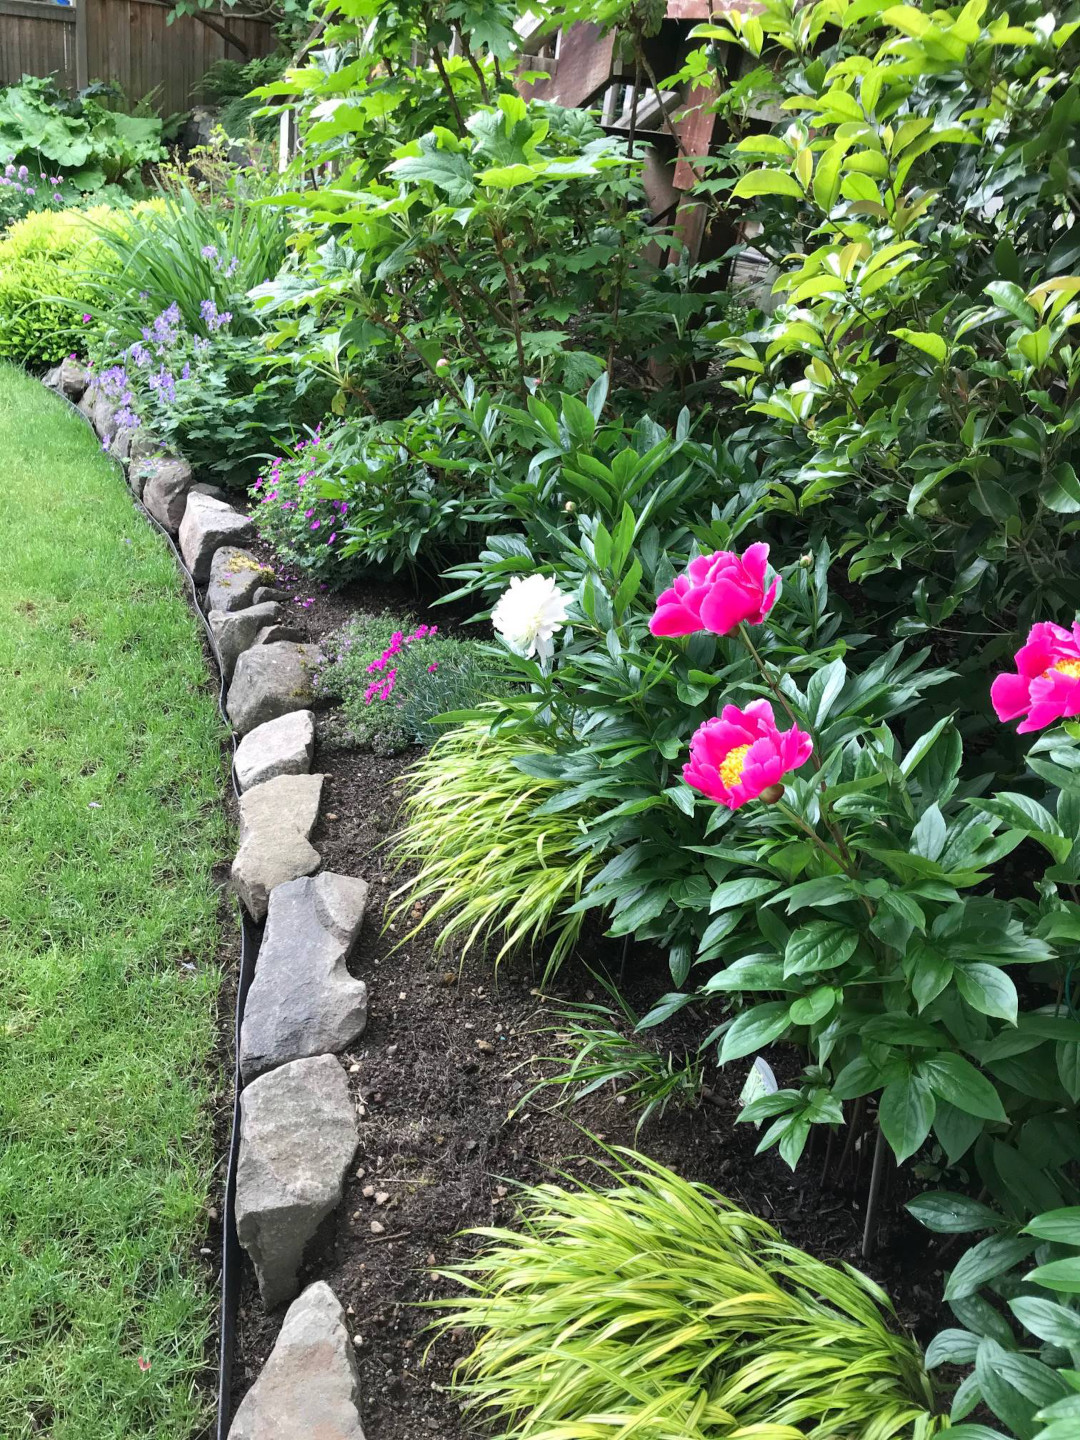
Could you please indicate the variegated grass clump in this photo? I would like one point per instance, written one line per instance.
(657, 1310)
(489, 867)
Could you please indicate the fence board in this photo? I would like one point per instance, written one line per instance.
(127, 42)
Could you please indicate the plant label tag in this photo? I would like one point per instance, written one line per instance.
(760, 1081)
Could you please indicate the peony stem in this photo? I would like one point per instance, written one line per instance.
(797, 819)
(846, 863)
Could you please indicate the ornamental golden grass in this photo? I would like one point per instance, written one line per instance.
(656, 1309)
(488, 866)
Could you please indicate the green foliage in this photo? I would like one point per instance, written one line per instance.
(91, 145)
(657, 1307)
(393, 678)
(462, 223)
(1020, 1277)
(228, 84)
(181, 337)
(409, 494)
(605, 1051)
(914, 388)
(489, 867)
(189, 248)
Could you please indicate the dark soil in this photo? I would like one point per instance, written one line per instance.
(448, 1054)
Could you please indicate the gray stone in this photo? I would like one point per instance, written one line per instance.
(269, 592)
(273, 633)
(237, 631)
(268, 858)
(105, 412)
(271, 680)
(297, 1140)
(309, 1388)
(69, 378)
(280, 747)
(214, 491)
(89, 400)
(303, 1001)
(235, 575)
(276, 819)
(120, 444)
(141, 447)
(207, 526)
(165, 490)
(285, 801)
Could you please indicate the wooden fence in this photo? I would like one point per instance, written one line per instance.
(127, 42)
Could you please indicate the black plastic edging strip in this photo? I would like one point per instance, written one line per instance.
(250, 940)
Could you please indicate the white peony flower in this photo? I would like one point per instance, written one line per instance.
(529, 613)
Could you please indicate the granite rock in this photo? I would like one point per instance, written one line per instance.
(297, 1140)
(280, 747)
(303, 1001)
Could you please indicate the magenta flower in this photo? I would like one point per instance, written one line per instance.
(737, 756)
(1046, 687)
(717, 593)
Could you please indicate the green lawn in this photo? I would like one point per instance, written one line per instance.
(110, 819)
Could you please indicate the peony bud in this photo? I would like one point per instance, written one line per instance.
(569, 507)
(806, 560)
(772, 793)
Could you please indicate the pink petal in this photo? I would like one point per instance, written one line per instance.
(726, 605)
(755, 560)
(1009, 695)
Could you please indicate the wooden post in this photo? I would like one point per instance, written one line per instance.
(82, 45)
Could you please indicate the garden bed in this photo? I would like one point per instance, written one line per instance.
(449, 1051)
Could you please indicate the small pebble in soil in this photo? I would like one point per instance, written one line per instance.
(357, 1340)
(391, 1050)
(361, 1173)
(485, 1047)
(377, 1229)
(381, 1198)
(331, 816)
(369, 1191)
(212, 1215)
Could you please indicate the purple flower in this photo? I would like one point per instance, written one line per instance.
(209, 252)
(213, 318)
(24, 173)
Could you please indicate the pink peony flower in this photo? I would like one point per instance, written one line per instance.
(1047, 685)
(737, 756)
(717, 593)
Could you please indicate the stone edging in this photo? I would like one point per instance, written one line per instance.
(294, 1133)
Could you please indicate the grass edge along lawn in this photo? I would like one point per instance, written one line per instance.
(110, 820)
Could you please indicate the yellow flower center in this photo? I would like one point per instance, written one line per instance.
(731, 766)
(1071, 668)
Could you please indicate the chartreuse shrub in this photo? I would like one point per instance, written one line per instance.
(656, 1308)
(489, 866)
(45, 278)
